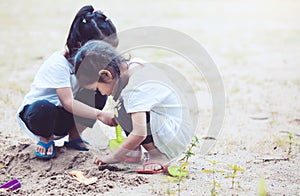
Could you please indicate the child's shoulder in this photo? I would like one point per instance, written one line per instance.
(56, 62)
(57, 57)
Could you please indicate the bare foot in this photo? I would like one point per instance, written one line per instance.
(41, 149)
(156, 156)
(134, 156)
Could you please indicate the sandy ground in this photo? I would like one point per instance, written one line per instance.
(256, 48)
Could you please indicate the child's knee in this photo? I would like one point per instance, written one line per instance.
(38, 115)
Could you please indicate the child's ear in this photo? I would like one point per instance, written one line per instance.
(105, 75)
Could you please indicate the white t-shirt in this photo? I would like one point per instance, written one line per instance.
(150, 90)
(55, 72)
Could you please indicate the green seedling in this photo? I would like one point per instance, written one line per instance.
(262, 191)
(115, 143)
(178, 173)
(235, 169)
(213, 171)
(290, 143)
(188, 153)
(181, 172)
(185, 160)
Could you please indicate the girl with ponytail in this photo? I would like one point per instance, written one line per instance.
(90, 25)
(56, 106)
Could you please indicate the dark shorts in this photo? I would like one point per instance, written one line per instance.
(45, 119)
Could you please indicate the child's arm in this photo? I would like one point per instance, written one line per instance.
(134, 139)
(138, 134)
(78, 108)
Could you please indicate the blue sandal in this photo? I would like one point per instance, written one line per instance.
(73, 144)
(46, 146)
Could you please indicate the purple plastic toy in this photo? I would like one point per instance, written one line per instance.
(11, 185)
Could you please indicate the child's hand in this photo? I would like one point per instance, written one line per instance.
(98, 161)
(104, 160)
(108, 119)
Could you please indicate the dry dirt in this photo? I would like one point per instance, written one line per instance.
(255, 46)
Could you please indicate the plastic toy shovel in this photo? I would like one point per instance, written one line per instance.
(115, 143)
(11, 185)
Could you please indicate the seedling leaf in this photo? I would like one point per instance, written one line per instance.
(208, 171)
(212, 162)
(236, 168)
(262, 187)
(183, 165)
(220, 171)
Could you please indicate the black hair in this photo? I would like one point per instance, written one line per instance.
(89, 25)
(94, 56)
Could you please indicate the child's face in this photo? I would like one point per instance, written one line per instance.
(104, 88)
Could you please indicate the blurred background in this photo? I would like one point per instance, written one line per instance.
(255, 45)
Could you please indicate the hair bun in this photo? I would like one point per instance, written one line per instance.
(99, 15)
(86, 9)
(88, 25)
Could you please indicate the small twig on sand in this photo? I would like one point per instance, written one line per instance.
(209, 138)
(275, 159)
(259, 117)
(111, 168)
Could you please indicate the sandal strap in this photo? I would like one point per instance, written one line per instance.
(79, 140)
(46, 145)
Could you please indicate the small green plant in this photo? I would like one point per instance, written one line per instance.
(188, 153)
(181, 171)
(290, 143)
(213, 171)
(234, 170)
(182, 174)
(291, 140)
(262, 191)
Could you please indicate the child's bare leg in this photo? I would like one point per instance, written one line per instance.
(136, 153)
(41, 149)
(75, 133)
